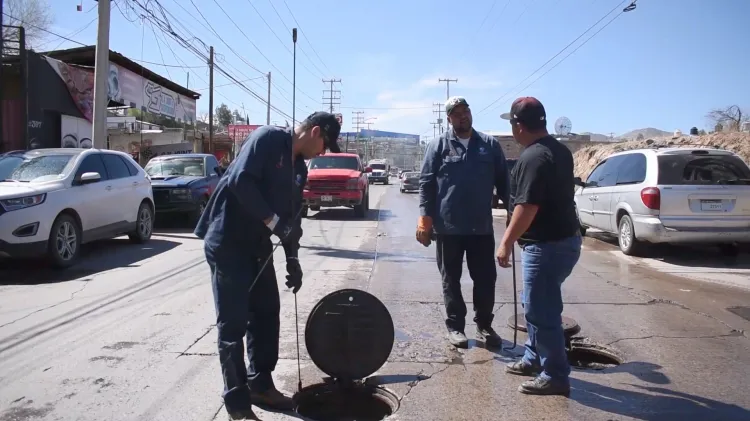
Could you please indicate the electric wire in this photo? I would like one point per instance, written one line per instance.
(552, 58)
(260, 15)
(566, 56)
(303, 34)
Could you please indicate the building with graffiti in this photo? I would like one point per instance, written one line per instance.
(54, 107)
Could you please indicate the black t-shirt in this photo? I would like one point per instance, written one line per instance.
(543, 176)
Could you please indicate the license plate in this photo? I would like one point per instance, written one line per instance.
(326, 198)
(712, 206)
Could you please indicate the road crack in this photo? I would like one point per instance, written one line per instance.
(203, 335)
(734, 333)
(420, 378)
(72, 296)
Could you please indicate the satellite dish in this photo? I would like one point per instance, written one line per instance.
(563, 126)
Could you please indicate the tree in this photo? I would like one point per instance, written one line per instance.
(34, 15)
(729, 118)
(237, 117)
(223, 115)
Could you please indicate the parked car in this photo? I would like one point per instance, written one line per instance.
(57, 199)
(409, 182)
(668, 195)
(337, 179)
(9, 161)
(183, 183)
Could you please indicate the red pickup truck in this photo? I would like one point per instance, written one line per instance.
(334, 180)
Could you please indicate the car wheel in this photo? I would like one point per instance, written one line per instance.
(629, 245)
(195, 215)
(360, 211)
(64, 244)
(144, 225)
(303, 212)
(583, 230)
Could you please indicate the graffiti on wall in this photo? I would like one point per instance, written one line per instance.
(75, 132)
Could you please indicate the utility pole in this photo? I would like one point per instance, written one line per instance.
(331, 93)
(101, 75)
(439, 110)
(435, 126)
(211, 100)
(447, 93)
(268, 105)
(358, 122)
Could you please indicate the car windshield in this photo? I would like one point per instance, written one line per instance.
(411, 175)
(8, 164)
(175, 166)
(326, 162)
(377, 166)
(36, 167)
(695, 169)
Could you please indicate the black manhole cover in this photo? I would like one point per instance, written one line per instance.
(584, 354)
(570, 326)
(743, 312)
(349, 336)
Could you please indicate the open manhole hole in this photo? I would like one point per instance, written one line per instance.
(349, 336)
(586, 355)
(570, 326)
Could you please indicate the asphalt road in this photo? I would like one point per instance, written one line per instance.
(129, 333)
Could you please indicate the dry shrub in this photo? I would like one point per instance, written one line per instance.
(587, 158)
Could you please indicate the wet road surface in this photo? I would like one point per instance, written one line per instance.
(129, 335)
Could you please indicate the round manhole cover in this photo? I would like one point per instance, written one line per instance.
(349, 334)
(570, 326)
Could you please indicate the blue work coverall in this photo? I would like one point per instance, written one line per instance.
(456, 191)
(260, 182)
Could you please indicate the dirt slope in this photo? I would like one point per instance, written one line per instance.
(587, 158)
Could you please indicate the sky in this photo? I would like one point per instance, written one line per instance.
(663, 65)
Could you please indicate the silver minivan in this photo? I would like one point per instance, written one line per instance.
(668, 195)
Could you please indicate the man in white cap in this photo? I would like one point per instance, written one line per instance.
(459, 172)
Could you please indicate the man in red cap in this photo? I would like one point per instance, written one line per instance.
(543, 221)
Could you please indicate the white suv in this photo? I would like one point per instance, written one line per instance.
(57, 199)
(668, 195)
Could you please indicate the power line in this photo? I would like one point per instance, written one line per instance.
(308, 39)
(569, 54)
(45, 31)
(553, 57)
(388, 108)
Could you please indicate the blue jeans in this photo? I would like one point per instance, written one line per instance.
(545, 268)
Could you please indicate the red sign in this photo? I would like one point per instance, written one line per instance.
(239, 132)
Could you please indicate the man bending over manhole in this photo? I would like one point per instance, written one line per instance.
(543, 220)
(459, 172)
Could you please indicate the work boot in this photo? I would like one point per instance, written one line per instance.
(242, 414)
(458, 339)
(272, 398)
(543, 385)
(522, 368)
(489, 336)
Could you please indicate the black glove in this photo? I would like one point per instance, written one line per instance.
(294, 274)
(286, 231)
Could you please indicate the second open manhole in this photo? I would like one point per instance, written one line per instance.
(586, 355)
(335, 402)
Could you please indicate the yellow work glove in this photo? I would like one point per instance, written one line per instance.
(424, 230)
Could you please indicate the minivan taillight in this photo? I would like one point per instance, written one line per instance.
(651, 197)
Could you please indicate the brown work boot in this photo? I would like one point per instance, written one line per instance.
(272, 398)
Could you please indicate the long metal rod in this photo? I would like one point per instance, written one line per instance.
(294, 107)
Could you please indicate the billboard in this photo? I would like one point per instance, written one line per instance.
(124, 87)
(239, 132)
(389, 135)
